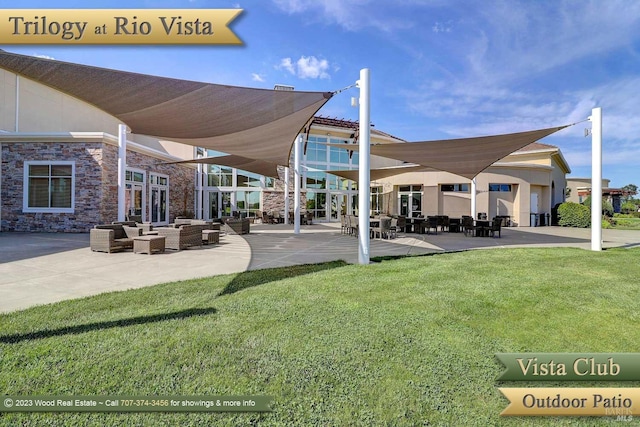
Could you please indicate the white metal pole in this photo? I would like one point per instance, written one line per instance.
(199, 190)
(286, 195)
(364, 173)
(296, 185)
(122, 166)
(474, 193)
(596, 179)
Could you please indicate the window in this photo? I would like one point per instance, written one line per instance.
(459, 188)
(505, 188)
(248, 179)
(220, 176)
(49, 186)
(248, 203)
(376, 200)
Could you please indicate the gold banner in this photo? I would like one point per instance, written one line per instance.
(118, 26)
(606, 402)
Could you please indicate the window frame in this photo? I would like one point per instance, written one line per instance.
(26, 187)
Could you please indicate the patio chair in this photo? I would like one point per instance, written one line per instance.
(468, 227)
(382, 229)
(443, 222)
(495, 227)
(393, 228)
(430, 224)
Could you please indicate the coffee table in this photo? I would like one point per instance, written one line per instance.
(148, 244)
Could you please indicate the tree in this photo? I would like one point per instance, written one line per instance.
(632, 190)
(607, 207)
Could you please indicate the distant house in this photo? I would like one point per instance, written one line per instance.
(580, 189)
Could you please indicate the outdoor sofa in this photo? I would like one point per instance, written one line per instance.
(181, 237)
(112, 237)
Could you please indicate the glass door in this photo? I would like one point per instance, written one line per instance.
(338, 206)
(158, 205)
(214, 205)
(133, 200)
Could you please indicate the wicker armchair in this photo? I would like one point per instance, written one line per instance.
(112, 237)
(181, 237)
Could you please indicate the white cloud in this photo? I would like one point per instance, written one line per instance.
(312, 68)
(307, 67)
(286, 64)
(257, 77)
(37, 55)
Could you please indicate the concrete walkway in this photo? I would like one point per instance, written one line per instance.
(41, 268)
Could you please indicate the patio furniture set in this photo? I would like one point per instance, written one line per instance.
(144, 238)
(275, 217)
(388, 227)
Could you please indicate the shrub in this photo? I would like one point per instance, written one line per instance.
(628, 207)
(607, 207)
(574, 215)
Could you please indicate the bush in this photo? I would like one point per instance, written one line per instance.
(574, 215)
(607, 207)
(629, 207)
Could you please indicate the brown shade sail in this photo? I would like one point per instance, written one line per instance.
(378, 174)
(466, 157)
(251, 165)
(253, 123)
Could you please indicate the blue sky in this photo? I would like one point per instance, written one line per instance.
(439, 68)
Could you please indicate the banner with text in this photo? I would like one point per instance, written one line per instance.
(118, 26)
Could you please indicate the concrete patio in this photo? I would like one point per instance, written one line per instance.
(41, 268)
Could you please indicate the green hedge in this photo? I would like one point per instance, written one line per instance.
(574, 215)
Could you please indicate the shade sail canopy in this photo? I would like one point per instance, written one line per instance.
(251, 165)
(253, 123)
(378, 174)
(466, 157)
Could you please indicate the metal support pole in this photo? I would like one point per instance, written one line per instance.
(200, 190)
(363, 172)
(122, 166)
(286, 195)
(297, 149)
(474, 193)
(596, 179)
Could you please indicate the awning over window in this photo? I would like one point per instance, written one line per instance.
(253, 123)
(466, 157)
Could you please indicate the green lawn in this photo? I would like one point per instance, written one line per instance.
(401, 342)
(627, 223)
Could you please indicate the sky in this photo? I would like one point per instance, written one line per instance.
(439, 68)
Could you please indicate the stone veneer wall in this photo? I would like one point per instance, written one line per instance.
(96, 185)
(273, 200)
(88, 192)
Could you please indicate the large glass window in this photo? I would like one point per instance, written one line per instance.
(220, 176)
(248, 179)
(248, 203)
(49, 186)
(316, 150)
(317, 203)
